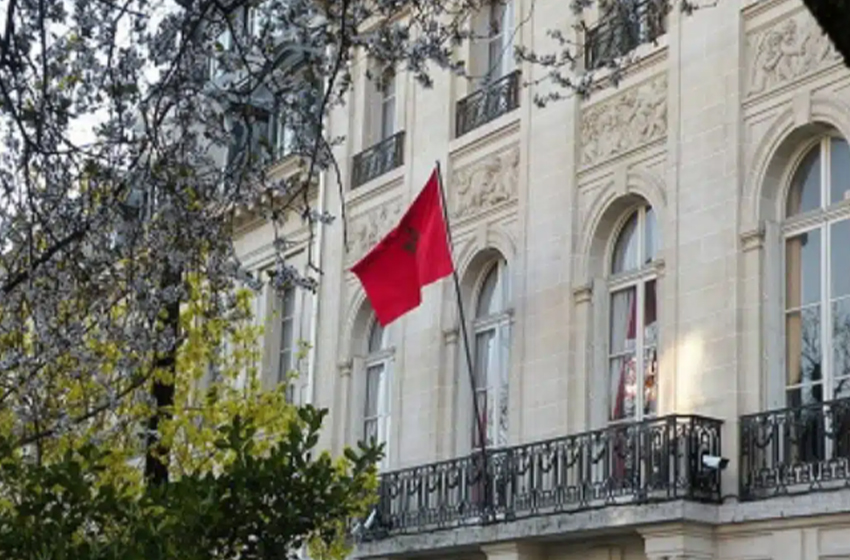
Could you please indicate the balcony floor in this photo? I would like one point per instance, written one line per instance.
(609, 520)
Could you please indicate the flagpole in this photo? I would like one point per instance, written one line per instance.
(482, 431)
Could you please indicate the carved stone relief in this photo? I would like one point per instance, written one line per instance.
(368, 228)
(635, 117)
(786, 51)
(486, 183)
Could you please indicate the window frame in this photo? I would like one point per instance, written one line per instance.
(636, 279)
(388, 93)
(498, 372)
(382, 357)
(285, 347)
(821, 220)
(485, 42)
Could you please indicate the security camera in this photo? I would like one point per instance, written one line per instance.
(359, 528)
(370, 520)
(714, 462)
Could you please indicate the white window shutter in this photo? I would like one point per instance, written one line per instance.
(773, 304)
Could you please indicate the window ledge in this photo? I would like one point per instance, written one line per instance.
(379, 184)
(500, 126)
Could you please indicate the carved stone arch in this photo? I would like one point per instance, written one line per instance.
(476, 254)
(607, 211)
(767, 179)
(358, 314)
(489, 237)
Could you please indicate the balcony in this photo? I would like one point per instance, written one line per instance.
(488, 103)
(795, 450)
(652, 461)
(381, 158)
(627, 24)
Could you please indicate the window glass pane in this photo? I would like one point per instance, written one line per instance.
(626, 248)
(650, 381)
(623, 321)
(839, 258)
(803, 346)
(502, 435)
(497, 16)
(805, 395)
(841, 340)
(839, 170)
(288, 302)
(485, 350)
(488, 299)
(370, 430)
(387, 118)
(285, 365)
(650, 315)
(806, 186)
(481, 397)
(623, 377)
(376, 337)
(803, 270)
(374, 376)
(650, 250)
(842, 391)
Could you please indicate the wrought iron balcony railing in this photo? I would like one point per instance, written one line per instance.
(488, 103)
(795, 450)
(381, 158)
(651, 461)
(627, 24)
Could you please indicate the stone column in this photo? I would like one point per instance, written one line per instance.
(750, 350)
(512, 551)
(679, 541)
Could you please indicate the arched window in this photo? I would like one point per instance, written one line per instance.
(376, 413)
(633, 322)
(492, 345)
(817, 276)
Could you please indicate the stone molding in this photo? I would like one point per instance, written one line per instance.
(752, 240)
(369, 227)
(486, 183)
(785, 51)
(625, 122)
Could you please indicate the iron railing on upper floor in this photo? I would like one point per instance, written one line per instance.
(650, 461)
(381, 158)
(487, 104)
(795, 450)
(625, 25)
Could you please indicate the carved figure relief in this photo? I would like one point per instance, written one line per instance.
(368, 228)
(788, 50)
(635, 117)
(486, 183)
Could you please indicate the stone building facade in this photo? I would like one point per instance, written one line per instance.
(653, 276)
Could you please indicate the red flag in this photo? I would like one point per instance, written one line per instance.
(414, 254)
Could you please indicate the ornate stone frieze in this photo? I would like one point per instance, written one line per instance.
(486, 183)
(616, 126)
(785, 51)
(368, 228)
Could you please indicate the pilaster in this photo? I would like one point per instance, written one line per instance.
(512, 551)
(679, 541)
